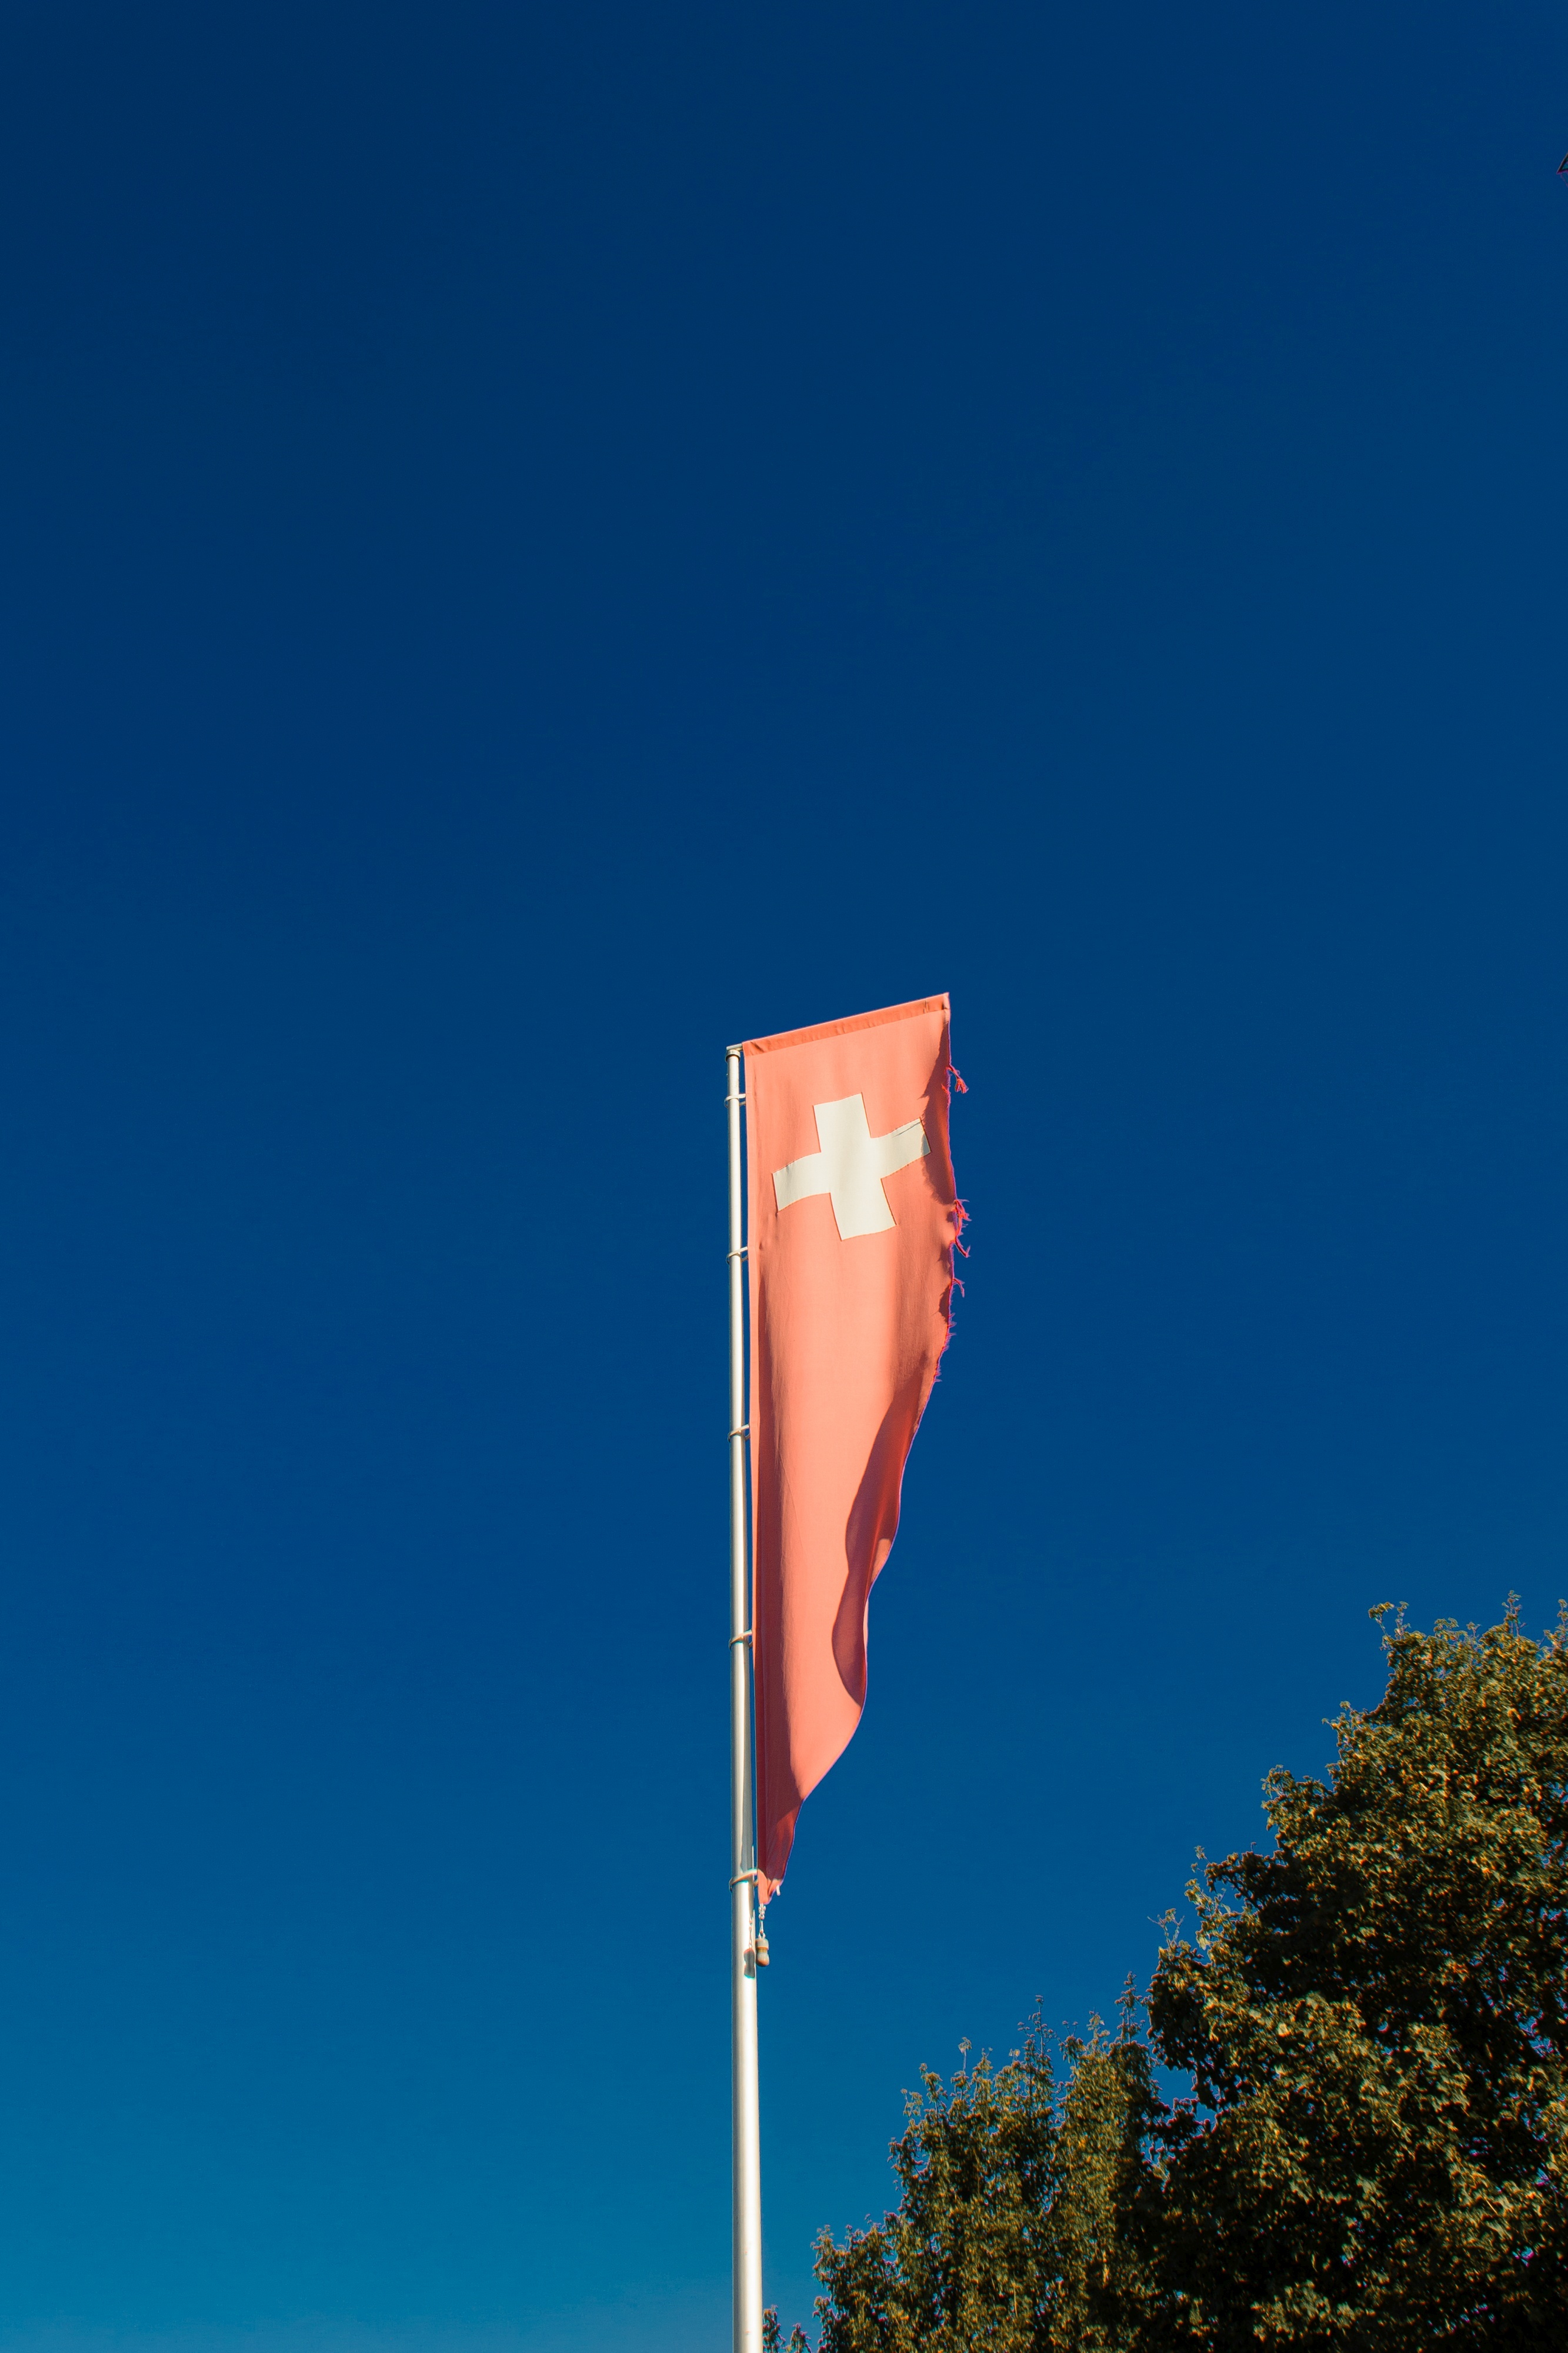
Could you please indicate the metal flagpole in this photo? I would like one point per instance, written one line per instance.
(746, 2149)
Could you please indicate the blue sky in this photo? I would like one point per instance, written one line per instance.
(536, 541)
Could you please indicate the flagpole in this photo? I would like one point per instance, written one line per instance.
(745, 2141)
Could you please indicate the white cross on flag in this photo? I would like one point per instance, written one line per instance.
(850, 1165)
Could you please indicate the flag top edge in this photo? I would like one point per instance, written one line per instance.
(849, 1025)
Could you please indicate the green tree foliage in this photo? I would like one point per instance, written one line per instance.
(1373, 2021)
(1372, 2018)
(1005, 2233)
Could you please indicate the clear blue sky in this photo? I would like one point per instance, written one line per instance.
(536, 541)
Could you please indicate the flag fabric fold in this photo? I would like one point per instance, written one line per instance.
(854, 1220)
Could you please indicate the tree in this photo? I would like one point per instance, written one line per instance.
(1374, 2152)
(962, 2260)
(1373, 2018)
(1007, 2232)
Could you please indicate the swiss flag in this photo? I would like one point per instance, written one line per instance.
(854, 1220)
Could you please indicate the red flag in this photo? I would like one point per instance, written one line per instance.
(854, 1217)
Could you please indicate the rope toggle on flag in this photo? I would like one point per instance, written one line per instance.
(853, 1221)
